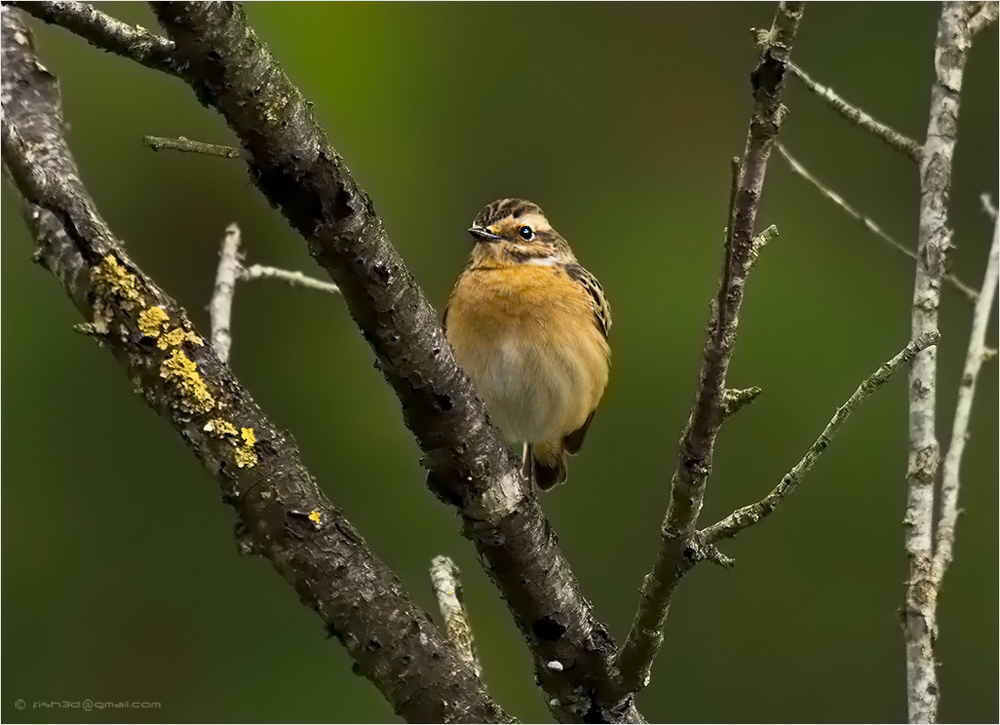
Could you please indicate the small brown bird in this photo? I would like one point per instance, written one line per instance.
(530, 327)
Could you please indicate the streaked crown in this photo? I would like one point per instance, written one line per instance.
(515, 231)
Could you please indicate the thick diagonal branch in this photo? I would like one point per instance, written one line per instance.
(933, 241)
(291, 161)
(687, 488)
(282, 512)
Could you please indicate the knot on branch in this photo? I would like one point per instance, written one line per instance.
(733, 399)
(698, 549)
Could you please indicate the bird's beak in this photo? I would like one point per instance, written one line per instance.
(482, 235)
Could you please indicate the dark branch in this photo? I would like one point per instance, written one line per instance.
(291, 161)
(282, 513)
(678, 551)
(106, 33)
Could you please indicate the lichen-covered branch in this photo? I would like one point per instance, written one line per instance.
(105, 32)
(447, 585)
(283, 514)
(675, 555)
(933, 241)
(750, 515)
(944, 539)
(866, 222)
(857, 116)
(291, 161)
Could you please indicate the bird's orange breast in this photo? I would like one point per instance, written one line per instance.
(527, 337)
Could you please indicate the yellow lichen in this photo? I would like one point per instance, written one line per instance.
(182, 372)
(220, 428)
(315, 516)
(246, 456)
(152, 320)
(110, 278)
(171, 339)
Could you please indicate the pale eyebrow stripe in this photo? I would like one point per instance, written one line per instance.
(542, 261)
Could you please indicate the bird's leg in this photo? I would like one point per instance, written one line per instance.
(526, 468)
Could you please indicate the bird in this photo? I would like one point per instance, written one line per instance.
(529, 325)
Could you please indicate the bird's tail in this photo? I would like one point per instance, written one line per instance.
(548, 465)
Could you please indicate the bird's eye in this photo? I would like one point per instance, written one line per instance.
(526, 232)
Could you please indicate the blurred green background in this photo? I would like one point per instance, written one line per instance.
(122, 581)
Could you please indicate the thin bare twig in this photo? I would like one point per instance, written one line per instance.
(934, 239)
(975, 356)
(295, 279)
(749, 515)
(866, 222)
(106, 33)
(679, 550)
(858, 117)
(221, 307)
(447, 585)
(163, 143)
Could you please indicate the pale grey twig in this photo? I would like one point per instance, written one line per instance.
(447, 585)
(296, 279)
(221, 307)
(933, 241)
(866, 221)
(231, 270)
(858, 117)
(944, 541)
(749, 515)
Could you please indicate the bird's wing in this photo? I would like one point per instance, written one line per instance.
(598, 302)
